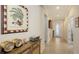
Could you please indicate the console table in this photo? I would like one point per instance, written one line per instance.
(27, 48)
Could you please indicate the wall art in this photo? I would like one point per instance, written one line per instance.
(77, 22)
(14, 19)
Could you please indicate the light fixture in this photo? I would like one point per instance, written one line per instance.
(57, 7)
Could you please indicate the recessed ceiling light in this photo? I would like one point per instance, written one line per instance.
(57, 7)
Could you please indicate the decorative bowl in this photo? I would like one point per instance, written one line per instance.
(17, 42)
(7, 46)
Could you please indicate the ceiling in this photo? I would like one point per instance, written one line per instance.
(57, 12)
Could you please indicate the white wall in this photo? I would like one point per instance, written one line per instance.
(74, 12)
(44, 26)
(34, 25)
(43, 29)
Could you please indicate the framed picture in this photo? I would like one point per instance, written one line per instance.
(50, 24)
(14, 19)
(77, 22)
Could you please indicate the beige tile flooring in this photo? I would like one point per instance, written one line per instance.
(58, 46)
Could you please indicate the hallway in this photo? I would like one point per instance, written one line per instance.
(58, 46)
(48, 22)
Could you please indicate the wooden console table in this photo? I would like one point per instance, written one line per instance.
(28, 48)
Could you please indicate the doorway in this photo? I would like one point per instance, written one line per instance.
(57, 30)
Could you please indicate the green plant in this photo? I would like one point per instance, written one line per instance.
(17, 15)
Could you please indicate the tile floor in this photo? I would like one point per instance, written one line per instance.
(58, 46)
